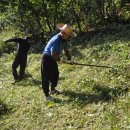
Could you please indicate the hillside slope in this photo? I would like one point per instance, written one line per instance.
(92, 98)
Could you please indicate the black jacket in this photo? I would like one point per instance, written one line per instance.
(23, 46)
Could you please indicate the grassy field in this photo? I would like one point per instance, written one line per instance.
(92, 98)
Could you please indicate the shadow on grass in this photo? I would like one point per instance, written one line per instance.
(99, 94)
(28, 75)
(29, 82)
(4, 109)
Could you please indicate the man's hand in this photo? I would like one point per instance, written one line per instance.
(71, 62)
(67, 62)
(60, 62)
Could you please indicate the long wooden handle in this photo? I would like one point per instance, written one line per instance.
(74, 63)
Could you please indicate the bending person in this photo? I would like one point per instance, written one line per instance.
(50, 57)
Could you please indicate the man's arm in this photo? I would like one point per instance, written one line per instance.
(14, 40)
(67, 54)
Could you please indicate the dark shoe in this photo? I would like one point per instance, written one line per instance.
(55, 92)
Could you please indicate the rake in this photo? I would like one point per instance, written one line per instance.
(74, 63)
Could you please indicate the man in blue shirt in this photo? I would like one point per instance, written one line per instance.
(50, 57)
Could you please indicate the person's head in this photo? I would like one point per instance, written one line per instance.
(66, 31)
(65, 35)
(29, 39)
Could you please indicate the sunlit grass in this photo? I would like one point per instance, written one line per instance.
(92, 98)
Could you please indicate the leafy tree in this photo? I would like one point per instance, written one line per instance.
(39, 17)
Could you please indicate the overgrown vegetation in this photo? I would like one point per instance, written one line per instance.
(92, 98)
(39, 17)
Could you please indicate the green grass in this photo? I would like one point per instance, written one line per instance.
(92, 98)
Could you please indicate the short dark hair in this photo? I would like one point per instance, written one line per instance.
(28, 37)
